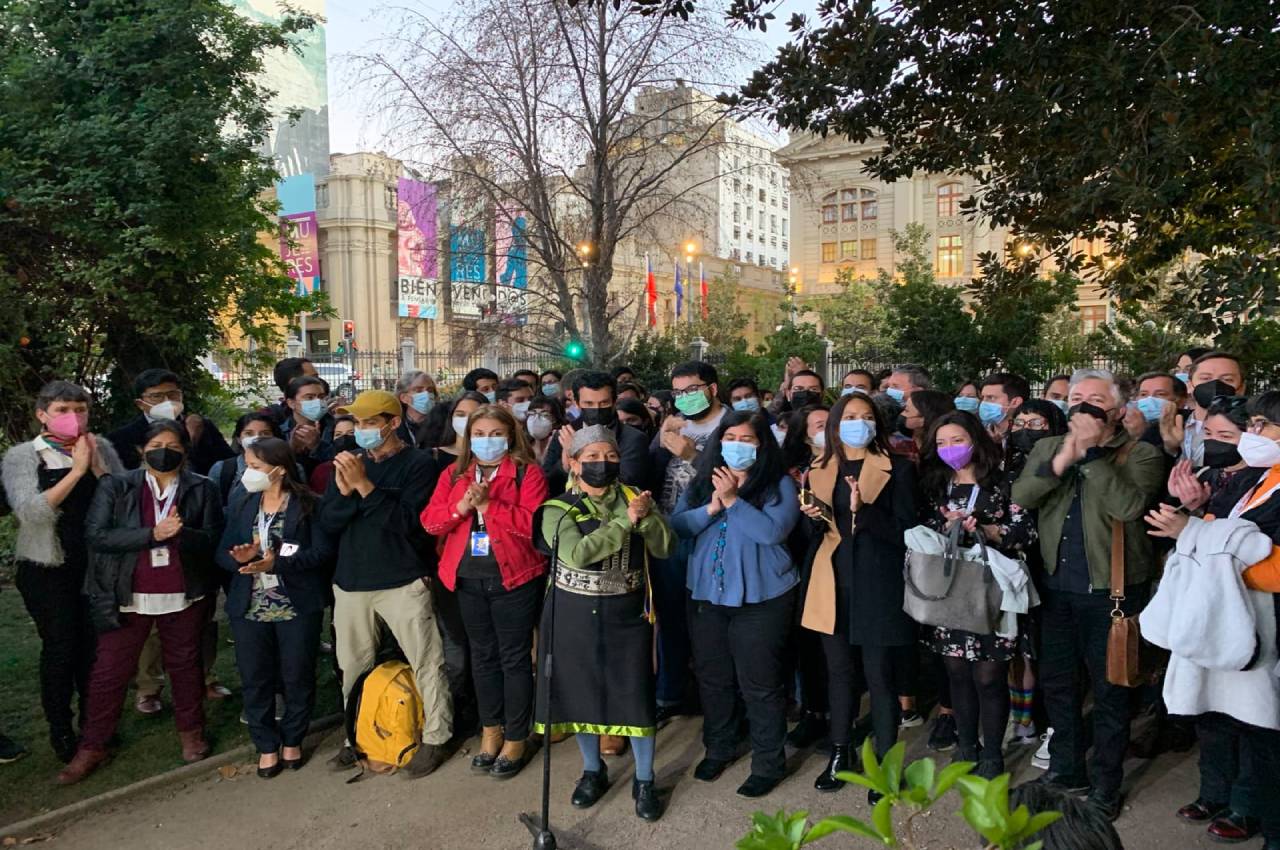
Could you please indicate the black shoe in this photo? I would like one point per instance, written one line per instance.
(1073, 785)
(10, 750)
(648, 803)
(667, 712)
(293, 764)
(273, 771)
(344, 759)
(964, 752)
(483, 762)
(64, 743)
(1110, 805)
(1233, 828)
(810, 730)
(505, 768)
(873, 797)
(425, 761)
(910, 719)
(709, 769)
(942, 736)
(989, 768)
(839, 762)
(757, 786)
(590, 788)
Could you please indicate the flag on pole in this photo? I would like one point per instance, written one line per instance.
(651, 292)
(679, 293)
(702, 289)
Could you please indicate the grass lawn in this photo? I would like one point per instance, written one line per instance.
(147, 745)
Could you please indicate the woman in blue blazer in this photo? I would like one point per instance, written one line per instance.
(281, 562)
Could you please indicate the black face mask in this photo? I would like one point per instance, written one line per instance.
(1090, 409)
(804, 398)
(600, 473)
(901, 425)
(1205, 393)
(1220, 455)
(345, 443)
(598, 416)
(164, 459)
(1024, 440)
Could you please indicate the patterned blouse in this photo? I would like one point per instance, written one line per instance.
(269, 605)
(1017, 527)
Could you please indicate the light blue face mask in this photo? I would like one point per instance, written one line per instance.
(990, 413)
(965, 403)
(422, 401)
(738, 455)
(1151, 408)
(896, 394)
(1185, 377)
(491, 395)
(488, 449)
(369, 438)
(550, 390)
(1060, 404)
(313, 409)
(747, 405)
(852, 390)
(857, 433)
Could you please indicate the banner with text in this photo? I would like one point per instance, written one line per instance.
(418, 291)
(511, 263)
(300, 250)
(469, 294)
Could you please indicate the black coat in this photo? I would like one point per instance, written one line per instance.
(633, 447)
(208, 450)
(115, 535)
(306, 576)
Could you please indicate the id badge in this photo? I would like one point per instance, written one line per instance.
(479, 544)
(270, 581)
(160, 556)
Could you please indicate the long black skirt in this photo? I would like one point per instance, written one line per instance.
(602, 680)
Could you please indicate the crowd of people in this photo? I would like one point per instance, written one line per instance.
(763, 546)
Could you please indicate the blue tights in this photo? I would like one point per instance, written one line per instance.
(643, 749)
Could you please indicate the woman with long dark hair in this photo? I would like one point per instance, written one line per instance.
(963, 482)
(861, 499)
(739, 510)
(452, 441)
(281, 562)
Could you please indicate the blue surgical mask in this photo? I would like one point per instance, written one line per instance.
(965, 403)
(990, 413)
(852, 390)
(896, 394)
(313, 409)
(491, 395)
(1060, 404)
(369, 438)
(488, 449)
(857, 433)
(1185, 377)
(550, 389)
(747, 405)
(422, 401)
(1151, 408)
(738, 455)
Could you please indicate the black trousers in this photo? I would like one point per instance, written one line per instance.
(743, 649)
(1240, 766)
(499, 625)
(278, 658)
(1074, 629)
(848, 668)
(457, 660)
(61, 614)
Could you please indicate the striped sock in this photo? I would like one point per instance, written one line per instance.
(1020, 706)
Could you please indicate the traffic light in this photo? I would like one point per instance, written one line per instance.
(348, 329)
(574, 349)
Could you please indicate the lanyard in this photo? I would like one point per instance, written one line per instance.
(1248, 501)
(973, 497)
(264, 529)
(480, 480)
(162, 509)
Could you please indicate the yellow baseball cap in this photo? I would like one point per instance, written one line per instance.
(372, 402)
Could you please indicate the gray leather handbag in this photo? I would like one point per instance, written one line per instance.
(951, 590)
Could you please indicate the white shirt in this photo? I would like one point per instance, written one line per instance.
(155, 604)
(49, 456)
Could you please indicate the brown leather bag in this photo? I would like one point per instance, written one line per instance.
(1124, 642)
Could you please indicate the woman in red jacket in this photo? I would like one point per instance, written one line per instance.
(483, 508)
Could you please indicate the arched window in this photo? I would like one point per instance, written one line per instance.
(949, 195)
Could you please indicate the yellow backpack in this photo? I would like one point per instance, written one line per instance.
(385, 717)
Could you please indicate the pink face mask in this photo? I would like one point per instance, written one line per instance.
(68, 426)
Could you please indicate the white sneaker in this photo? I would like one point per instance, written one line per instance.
(1041, 758)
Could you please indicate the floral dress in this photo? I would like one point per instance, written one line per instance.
(269, 604)
(1017, 535)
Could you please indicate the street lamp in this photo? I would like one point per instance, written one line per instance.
(584, 253)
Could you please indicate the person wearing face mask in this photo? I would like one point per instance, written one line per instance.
(546, 416)
(1081, 484)
(1214, 374)
(962, 483)
(49, 483)
(1182, 366)
(859, 500)
(902, 381)
(595, 393)
(1157, 401)
(966, 398)
(741, 594)
(417, 393)
(604, 533)
(1055, 391)
(634, 413)
(919, 412)
(384, 563)
(250, 428)
(483, 381)
(309, 427)
(857, 381)
(344, 440)
(159, 398)
(152, 533)
(805, 388)
(744, 395)
(516, 396)
(550, 384)
(280, 561)
(1001, 393)
(453, 440)
(683, 435)
(482, 510)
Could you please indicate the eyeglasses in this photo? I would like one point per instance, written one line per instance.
(156, 398)
(1258, 424)
(1033, 424)
(693, 389)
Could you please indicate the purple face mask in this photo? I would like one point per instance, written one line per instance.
(956, 457)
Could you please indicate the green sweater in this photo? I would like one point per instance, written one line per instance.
(578, 550)
(1109, 491)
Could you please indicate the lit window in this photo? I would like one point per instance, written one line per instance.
(950, 256)
(949, 195)
(868, 249)
(849, 250)
(828, 252)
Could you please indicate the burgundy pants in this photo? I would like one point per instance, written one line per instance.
(117, 664)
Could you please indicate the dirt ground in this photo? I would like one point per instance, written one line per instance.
(456, 810)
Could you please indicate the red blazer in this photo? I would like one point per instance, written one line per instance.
(508, 519)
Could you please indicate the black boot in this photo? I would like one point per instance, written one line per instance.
(839, 762)
(810, 730)
(648, 803)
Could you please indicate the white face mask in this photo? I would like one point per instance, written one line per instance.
(166, 410)
(779, 434)
(460, 425)
(255, 480)
(539, 426)
(1257, 451)
(520, 410)
(245, 442)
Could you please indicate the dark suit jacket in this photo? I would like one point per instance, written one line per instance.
(211, 447)
(633, 446)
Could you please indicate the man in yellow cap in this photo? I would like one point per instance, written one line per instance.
(385, 559)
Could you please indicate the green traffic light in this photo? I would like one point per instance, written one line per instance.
(575, 350)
